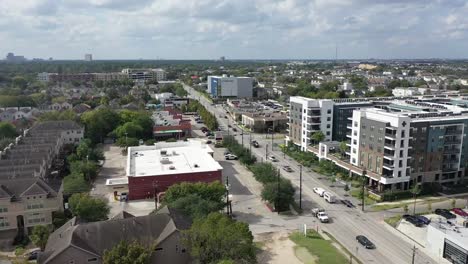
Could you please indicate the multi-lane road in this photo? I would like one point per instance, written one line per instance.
(347, 223)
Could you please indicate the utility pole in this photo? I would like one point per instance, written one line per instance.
(266, 152)
(227, 194)
(414, 254)
(242, 135)
(278, 194)
(250, 143)
(364, 172)
(300, 187)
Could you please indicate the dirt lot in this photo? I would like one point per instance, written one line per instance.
(276, 249)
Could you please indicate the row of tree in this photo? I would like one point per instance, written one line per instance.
(208, 118)
(243, 153)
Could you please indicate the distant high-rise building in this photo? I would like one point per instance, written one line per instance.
(222, 58)
(11, 57)
(224, 86)
(88, 57)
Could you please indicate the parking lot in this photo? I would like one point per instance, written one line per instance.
(114, 167)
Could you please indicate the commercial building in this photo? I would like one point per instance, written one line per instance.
(265, 122)
(224, 86)
(153, 169)
(11, 57)
(399, 141)
(170, 124)
(448, 241)
(29, 191)
(86, 242)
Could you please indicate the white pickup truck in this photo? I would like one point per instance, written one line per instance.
(321, 215)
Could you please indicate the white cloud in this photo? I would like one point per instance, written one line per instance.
(236, 29)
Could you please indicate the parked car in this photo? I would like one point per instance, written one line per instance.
(211, 137)
(413, 220)
(459, 212)
(287, 168)
(272, 158)
(209, 142)
(423, 219)
(365, 242)
(225, 117)
(255, 144)
(445, 213)
(234, 129)
(33, 254)
(204, 129)
(229, 126)
(230, 157)
(319, 191)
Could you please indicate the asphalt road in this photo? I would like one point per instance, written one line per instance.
(347, 223)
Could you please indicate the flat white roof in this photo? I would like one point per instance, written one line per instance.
(170, 158)
(453, 232)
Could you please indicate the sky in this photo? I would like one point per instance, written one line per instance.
(236, 29)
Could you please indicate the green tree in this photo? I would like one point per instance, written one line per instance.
(39, 235)
(99, 123)
(281, 200)
(416, 190)
(214, 191)
(75, 183)
(343, 148)
(317, 137)
(129, 129)
(87, 208)
(7, 130)
(19, 82)
(218, 237)
(126, 253)
(127, 142)
(194, 206)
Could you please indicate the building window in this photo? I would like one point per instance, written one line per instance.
(329, 111)
(36, 218)
(3, 209)
(328, 118)
(328, 133)
(354, 150)
(328, 125)
(354, 142)
(35, 206)
(355, 123)
(4, 222)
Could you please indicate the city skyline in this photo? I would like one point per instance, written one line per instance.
(260, 29)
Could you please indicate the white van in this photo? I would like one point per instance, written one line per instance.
(329, 197)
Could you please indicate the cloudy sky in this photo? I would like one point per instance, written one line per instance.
(237, 29)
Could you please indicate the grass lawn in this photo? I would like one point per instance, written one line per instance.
(322, 251)
(384, 207)
(367, 200)
(393, 221)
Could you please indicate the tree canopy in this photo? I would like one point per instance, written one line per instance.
(126, 253)
(87, 208)
(218, 237)
(40, 235)
(7, 130)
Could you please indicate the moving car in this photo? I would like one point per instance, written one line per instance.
(365, 242)
(319, 191)
(234, 129)
(272, 158)
(445, 213)
(321, 215)
(287, 168)
(255, 144)
(459, 212)
(230, 157)
(209, 142)
(348, 203)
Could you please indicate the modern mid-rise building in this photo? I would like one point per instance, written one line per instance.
(224, 86)
(145, 74)
(398, 141)
(88, 57)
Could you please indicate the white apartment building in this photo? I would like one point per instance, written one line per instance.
(307, 116)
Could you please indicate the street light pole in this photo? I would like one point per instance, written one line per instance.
(250, 143)
(227, 194)
(300, 187)
(364, 172)
(266, 151)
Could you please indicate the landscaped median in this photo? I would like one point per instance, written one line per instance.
(314, 249)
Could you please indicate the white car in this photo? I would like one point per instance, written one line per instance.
(272, 158)
(230, 157)
(319, 191)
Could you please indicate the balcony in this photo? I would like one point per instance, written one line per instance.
(451, 151)
(313, 113)
(389, 145)
(390, 135)
(348, 135)
(453, 132)
(452, 142)
(313, 120)
(389, 156)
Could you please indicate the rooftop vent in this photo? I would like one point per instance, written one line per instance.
(195, 165)
(163, 152)
(171, 167)
(165, 161)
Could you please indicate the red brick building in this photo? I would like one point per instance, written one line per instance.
(153, 169)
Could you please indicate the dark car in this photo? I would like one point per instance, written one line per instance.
(209, 142)
(365, 242)
(348, 203)
(445, 213)
(255, 144)
(423, 219)
(33, 255)
(234, 129)
(414, 220)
